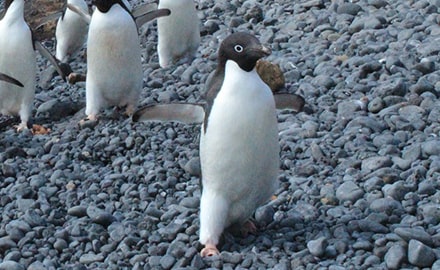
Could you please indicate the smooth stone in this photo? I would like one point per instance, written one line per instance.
(77, 211)
(372, 226)
(91, 258)
(420, 254)
(11, 265)
(395, 256)
(385, 205)
(414, 233)
(317, 247)
(374, 163)
(349, 191)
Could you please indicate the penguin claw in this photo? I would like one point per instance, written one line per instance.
(209, 250)
(21, 127)
(89, 122)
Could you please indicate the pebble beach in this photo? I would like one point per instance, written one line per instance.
(359, 166)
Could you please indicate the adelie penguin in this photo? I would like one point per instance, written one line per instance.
(71, 31)
(18, 60)
(239, 148)
(178, 34)
(114, 70)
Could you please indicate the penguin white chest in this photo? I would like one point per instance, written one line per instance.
(114, 74)
(240, 150)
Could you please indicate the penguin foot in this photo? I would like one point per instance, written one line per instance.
(248, 228)
(21, 127)
(209, 250)
(89, 122)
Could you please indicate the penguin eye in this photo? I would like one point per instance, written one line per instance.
(238, 48)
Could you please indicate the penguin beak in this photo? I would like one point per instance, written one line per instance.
(265, 50)
(260, 51)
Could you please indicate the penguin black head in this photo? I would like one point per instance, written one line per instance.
(242, 48)
(105, 5)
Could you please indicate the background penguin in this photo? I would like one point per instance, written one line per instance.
(71, 31)
(178, 34)
(239, 148)
(18, 58)
(114, 69)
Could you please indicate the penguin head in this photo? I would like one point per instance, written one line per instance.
(242, 48)
(105, 5)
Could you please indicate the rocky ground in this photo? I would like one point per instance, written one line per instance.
(358, 183)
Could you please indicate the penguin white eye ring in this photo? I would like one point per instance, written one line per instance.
(238, 48)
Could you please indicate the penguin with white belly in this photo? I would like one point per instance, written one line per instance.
(114, 70)
(71, 31)
(18, 58)
(239, 148)
(178, 34)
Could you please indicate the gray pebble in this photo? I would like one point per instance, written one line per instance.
(419, 254)
(167, 261)
(395, 256)
(349, 191)
(375, 163)
(318, 246)
(264, 215)
(385, 205)
(414, 233)
(11, 265)
(349, 8)
(77, 211)
(91, 258)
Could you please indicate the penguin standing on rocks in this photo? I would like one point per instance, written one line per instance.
(239, 148)
(71, 31)
(114, 69)
(178, 34)
(18, 59)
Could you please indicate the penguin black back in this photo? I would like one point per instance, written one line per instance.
(242, 48)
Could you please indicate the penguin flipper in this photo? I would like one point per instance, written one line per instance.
(289, 101)
(175, 112)
(85, 16)
(143, 19)
(9, 79)
(63, 69)
(143, 9)
(49, 18)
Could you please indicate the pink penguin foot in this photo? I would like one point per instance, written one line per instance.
(209, 250)
(91, 121)
(248, 228)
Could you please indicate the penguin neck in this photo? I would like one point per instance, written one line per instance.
(15, 12)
